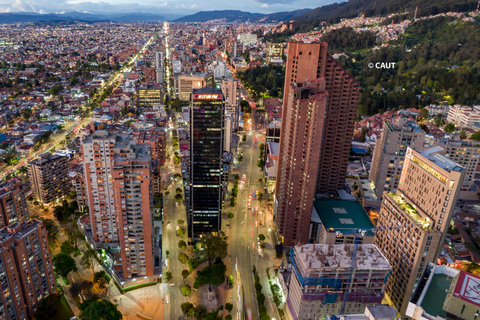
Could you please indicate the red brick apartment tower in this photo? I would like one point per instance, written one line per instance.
(307, 62)
(26, 269)
(303, 119)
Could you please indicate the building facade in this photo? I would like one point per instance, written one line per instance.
(422, 207)
(274, 53)
(206, 153)
(13, 205)
(187, 83)
(389, 153)
(303, 120)
(149, 95)
(49, 177)
(118, 175)
(26, 269)
(316, 283)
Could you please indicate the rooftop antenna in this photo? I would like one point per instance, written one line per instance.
(415, 16)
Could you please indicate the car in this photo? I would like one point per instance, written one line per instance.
(228, 224)
(168, 224)
(176, 204)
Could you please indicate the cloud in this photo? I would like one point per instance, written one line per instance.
(264, 5)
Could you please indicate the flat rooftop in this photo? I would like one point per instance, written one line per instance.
(440, 160)
(341, 215)
(435, 296)
(467, 288)
(332, 256)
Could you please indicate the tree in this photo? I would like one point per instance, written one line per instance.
(178, 190)
(186, 307)
(56, 89)
(475, 136)
(67, 247)
(101, 278)
(183, 258)
(89, 257)
(215, 246)
(463, 135)
(167, 276)
(229, 307)
(244, 138)
(47, 307)
(27, 113)
(261, 237)
(178, 197)
(200, 312)
(228, 317)
(186, 290)
(63, 264)
(237, 177)
(99, 309)
(230, 215)
(185, 274)
(473, 268)
(240, 159)
(181, 231)
(71, 230)
(424, 113)
(167, 253)
(52, 230)
(180, 221)
(449, 128)
(182, 245)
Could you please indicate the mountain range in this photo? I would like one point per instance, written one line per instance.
(331, 12)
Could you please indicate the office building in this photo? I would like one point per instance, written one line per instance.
(247, 38)
(49, 177)
(231, 92)
(390, 150)
(465, 153)
(176, 66)
(422, 206)
(303, 120)
(333, 222)
(149, 95)
(274, 53)
(26, 269)
(316, 282)
(186, 84)
(118, 175)
(206, 152)
(13, 206)
(227, 133)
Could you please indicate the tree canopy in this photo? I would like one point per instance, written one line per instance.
(214, 246)
(99, 309)
(63, 264)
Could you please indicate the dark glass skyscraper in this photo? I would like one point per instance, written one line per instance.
(206, 150)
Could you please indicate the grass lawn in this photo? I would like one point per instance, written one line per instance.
(193, 263)
(214, 274)
(138, 286)
(63, 312)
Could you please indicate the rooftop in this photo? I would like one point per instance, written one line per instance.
(467, 288)
(440, 160)
(435, 296)
(330, 256)
(342, 214)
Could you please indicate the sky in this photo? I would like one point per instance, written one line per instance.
(166, 7)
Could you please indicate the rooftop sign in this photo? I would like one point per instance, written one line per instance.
(207, 96)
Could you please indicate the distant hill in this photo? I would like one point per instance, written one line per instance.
(370, 8)
(228, 15)
(283, 16)
(78, 16)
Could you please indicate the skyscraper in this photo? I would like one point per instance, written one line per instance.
(303, 115)
(49, 177)
(424, 203)
(390, 150)
(118, 179)
(307, 62)
(26, 269)
(206, 152)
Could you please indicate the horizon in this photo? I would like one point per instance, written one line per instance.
(173, 10)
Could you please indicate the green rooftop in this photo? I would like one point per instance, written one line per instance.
(435, 296)
(342, 214)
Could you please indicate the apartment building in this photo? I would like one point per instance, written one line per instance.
(332, 131)
(118, 175)
(389, 153)
(49, 177)
(420, 213)
(13, 205)
(303, 119)
(26, 269)
(231, 92)
(274, 53)
(317, 282)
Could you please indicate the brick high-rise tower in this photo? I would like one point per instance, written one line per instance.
(307, 62)
(298, 162)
